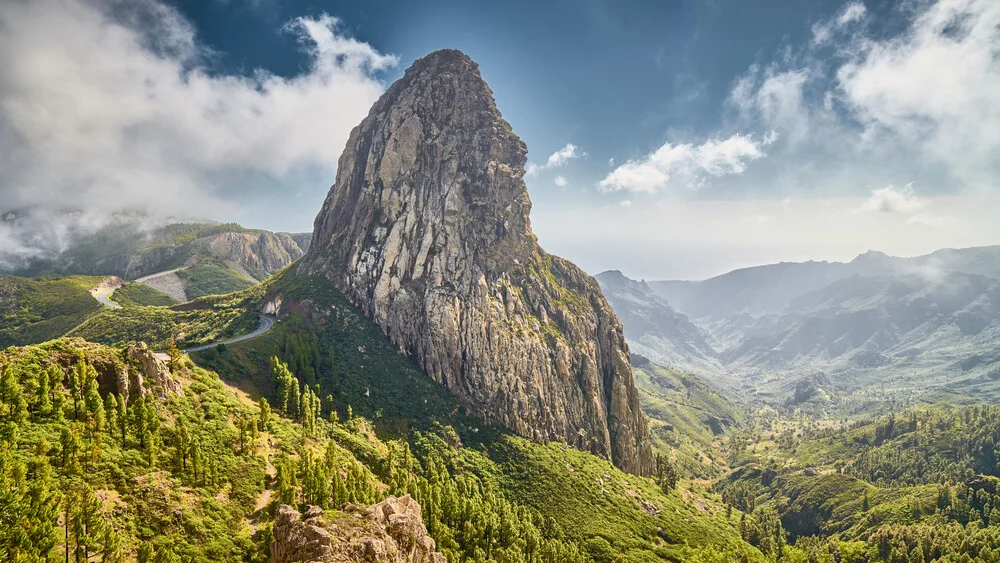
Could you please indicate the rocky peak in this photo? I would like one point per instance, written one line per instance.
(426, 229)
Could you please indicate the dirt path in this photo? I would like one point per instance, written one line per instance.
(259, 514)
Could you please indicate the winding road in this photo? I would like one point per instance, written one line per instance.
(103, 294)
(266, 324)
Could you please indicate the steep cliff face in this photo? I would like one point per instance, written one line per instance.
(427, 230)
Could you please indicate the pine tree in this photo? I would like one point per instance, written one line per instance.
(41, 511)
(122, 416)
(58, 405)
(95, 406)
(265, 414)
(13, 406)
(43, 397)
(176, 356)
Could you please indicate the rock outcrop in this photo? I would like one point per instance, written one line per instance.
(148, 374)
(388, 532)
(427, 230)
(253, 253)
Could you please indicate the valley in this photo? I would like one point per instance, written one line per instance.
(841, 338)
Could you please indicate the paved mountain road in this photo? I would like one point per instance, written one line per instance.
(266, 324)
(103, 294)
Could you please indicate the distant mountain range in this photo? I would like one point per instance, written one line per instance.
(815, 330)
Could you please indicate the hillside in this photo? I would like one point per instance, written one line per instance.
(770, 288)
(36, 310)
(913, 486)
(187, 481)
(183, 260)
(689, 418)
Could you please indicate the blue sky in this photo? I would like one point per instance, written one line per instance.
(667, 139)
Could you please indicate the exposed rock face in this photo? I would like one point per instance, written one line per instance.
(388, 532)
(256, 254)
(149, 374)
(427, 229)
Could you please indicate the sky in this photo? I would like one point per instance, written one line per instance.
(670, 140)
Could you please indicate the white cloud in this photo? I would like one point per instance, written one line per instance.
(109, 105)
(560, 181)
(555, 160)
(776, 96)
(927, 220)
(684, 163)
(562, 156)
(626, 203)
(935, 86)
(861, 106)
(825, 30)
(891, 199)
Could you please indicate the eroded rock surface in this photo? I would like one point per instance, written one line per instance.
(148, 373)
(427, 230)
(388, 532)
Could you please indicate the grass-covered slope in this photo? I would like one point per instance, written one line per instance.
(35, 310)
(139, 295)
(686, 416)
(212, 277)
(198, 322)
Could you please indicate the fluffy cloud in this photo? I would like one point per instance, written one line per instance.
(562, 156)
(560, 181)
(555, 160)
(918, 101)
(111, 105)
(935, 86)
(891, 199)
(685, 163)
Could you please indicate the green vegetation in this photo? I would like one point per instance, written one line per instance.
(686, 417)
(127, 474)
(916, 486)
(36, 310)
(575, 503)
(212, 278)
(198, 322)
(324, 410)
(139, 295)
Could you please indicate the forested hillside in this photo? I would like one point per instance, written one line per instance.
(914, 486)
(192, 468)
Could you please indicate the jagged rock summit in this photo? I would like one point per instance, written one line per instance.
(426, 229)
